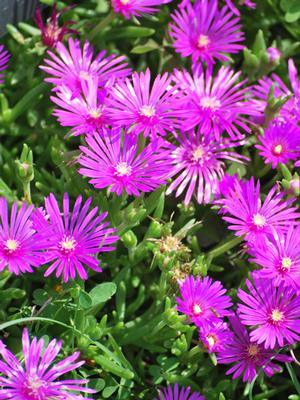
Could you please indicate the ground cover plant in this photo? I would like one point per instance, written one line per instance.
(149, 201)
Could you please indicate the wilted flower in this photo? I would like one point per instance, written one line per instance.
(215, 336)
(177, 393)
(4, 58)
(130, 8)
(205, 32)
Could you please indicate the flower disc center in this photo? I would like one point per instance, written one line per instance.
(277, 315)
(203, 42)
(123, 169)
(259, 220)
(147, 111)
(68, 245)
(197, 310)
(278, 149)
(211, 103)
(11, 245)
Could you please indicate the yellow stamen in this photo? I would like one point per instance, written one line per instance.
(278, 149)
(259, 220)
(203, 41)
(123, 169)
(147, 111)
(210, 102)
(252, 350)
(11, 245)
(197, 310)
(277, 315)
(198, 153)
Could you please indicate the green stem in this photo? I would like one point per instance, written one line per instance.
(224, 247)
(27, 192)
(102, 24)
(293, 377)
(270, 393)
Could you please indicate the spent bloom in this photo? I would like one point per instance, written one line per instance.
(135, 8)
(203, 300)
(51, 31)
(247, 215)
(215, 104)
(72, 66)
(198, 164)
(177, 393)
(37, 377)
(140, 108)
(205, 32)
(19, 248)
(248, 357)
(114, 161)
(4, 58)
(215, 336)
(272, 311)
(74, 238)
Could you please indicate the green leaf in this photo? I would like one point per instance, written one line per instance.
(130, 32)
(145, 48)
(85, 301)
(291, 17)
(102, 292)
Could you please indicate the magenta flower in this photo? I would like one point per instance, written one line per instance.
(273, 312)
(250, 217)
(198, 164)
(215, 337)
(135, 8)
(177, 393)
(217, 104)
(51, 32)
(36, 378)
(4, 58)
(280, 143)
(75, 237)
(280, 258)
(205, 32)
(249, 358)
(86, 113)
(116, 162)
(19, 248)
(233, 8)
(140, 109)
(203, 300)
(274, 54)
(72, 67)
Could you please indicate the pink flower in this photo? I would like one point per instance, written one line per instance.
(130, 8)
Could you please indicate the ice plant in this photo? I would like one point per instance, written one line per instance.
(272, 311)
(280, 143)
(75, 237)
(247, 215)
(37, 377)
(215, 337)
(52, 33)
(177, 393)
(20, 250)
(206, 32)
(4, 58)
(203, 300)
(71, 66)
(114, 161)
(248, 357)
(216, 104)
(247, 3)
(140, 108)
(199, 164)
(135, 8)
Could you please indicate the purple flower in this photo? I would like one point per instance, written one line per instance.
(130, 8)
(215, 337)
(203, 300)
(274, 55)
(205, 32)
(215, 104)
(273, 312)
(198, 164)
(247, 3)
(250, 217)
(72, 67)
(74, 237)
(36, 377)
(280, 257)
(177, 393)
(116, 162)
(280, 143)
(19, 248)
(140, 109)
(51, 32)
(4, 58)
(248, 357)
(86, 113)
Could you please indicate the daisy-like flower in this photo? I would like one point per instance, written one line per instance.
(215, 337)
(273, 312)
(86, 113)
(75, 237)
(203, 300)
(114, 161)
(135, 105)
(4, 58)
(74, 65)
(37, 377)
(19, 248)
(250, 217)
(177, 393)
(215, 104)
(280, 143)
(51, 32)
(135, 8)
(205, 32)
(233, 8)
(198, 164)
(280, 258)
(249, 358)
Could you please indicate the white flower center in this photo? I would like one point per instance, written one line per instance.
(203, 42)
(84, 75)
(11, 245)
(277, 315)
(68, 244)
(198, 153)
(278, 149)
(210, 103)
(124, 2)
(96, 113)
(123, 169)
(259, 220)
(197, 310)
(32, 388)
(211, 339)
(147, 111)
(286, 263)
